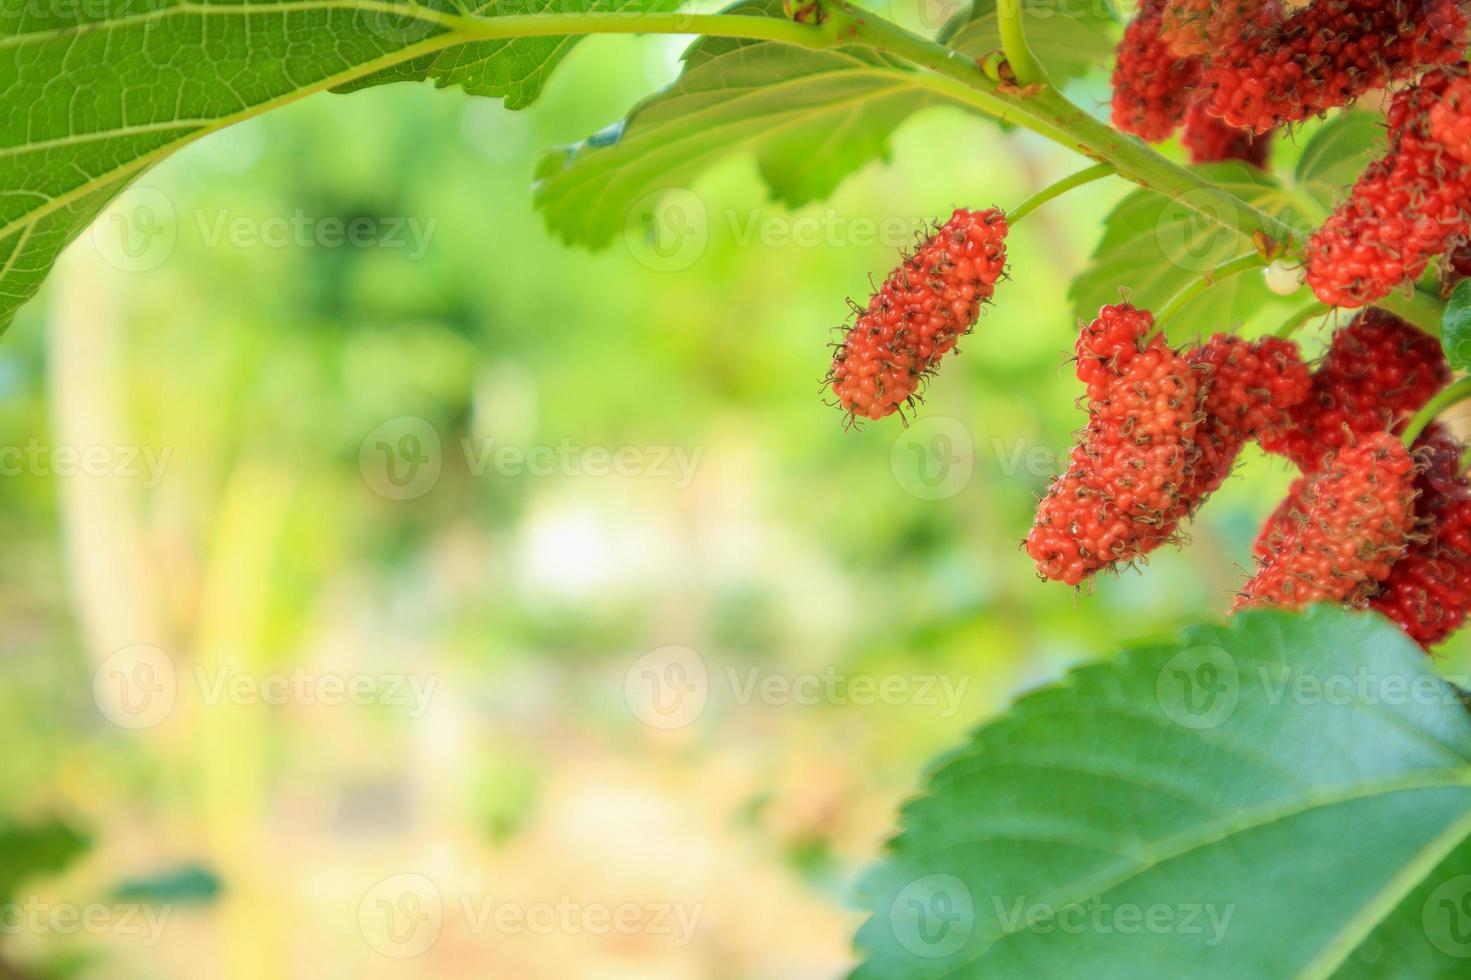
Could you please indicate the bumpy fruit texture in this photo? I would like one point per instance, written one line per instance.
(1279, 70)
(1352, 521)
(919, 313)
(1114, 502)
(1428, 591)
(1248, 390)
(1450, 119)
(1211, 140)
(1406, 208)
(1152, 87)
(1197, 27)
(1379, 370)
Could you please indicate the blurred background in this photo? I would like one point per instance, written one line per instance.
(395, 592)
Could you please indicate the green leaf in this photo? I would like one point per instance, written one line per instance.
(513, 69)
(1338, 152)
(1154, 246)
(810, 117)
(1288, 795)
(1455, 327)
(95, 94)
(188, 884)
(32, 850)
(1069, 39)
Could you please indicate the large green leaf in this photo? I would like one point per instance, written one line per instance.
(1338, 153)
(1070, 39)
(91, 95)
(810, 117)
(1285, 796)
(1153, 246)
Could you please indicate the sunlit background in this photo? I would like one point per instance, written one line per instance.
(394, 592)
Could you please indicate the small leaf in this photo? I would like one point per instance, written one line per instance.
(188, 884)
(1288, 795)
(1069, 39)
(37, 849)
(1455, 327)
(810, 117)
(1154, 246)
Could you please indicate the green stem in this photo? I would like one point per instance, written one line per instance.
(1024, 64)
(1225, 270)
(1295, 322)
(1039, 108)
(1457, 392)
(1086, 176)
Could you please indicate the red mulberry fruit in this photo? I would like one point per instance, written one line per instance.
(1379, 370)
(1352, 522)
(919, 313)
(1115, 501)
(1152, 87)
(1428, 591)
(1211, 140)
(1450, 119)
(1248, 391)
(1195, 27)
(1407, 207)
(1283, 70)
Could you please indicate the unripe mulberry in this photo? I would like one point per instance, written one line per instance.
(1211, 140)
(1152, 87)
(1379, 371)
(1114, 502)
(1406, 207)
(1352, 522)
(1283, 70)
(1428, 591)
(919, 313)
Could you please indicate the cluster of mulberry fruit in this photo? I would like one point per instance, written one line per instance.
(1409, 206)
(918, 314)
(1164, 430)
(1283, 68)
(1369, 523)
